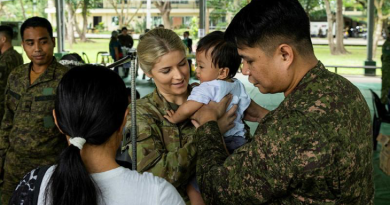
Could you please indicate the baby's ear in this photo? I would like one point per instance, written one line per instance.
(223, 73)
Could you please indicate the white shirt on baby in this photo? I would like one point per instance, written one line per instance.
(121, 186)
(215, 90)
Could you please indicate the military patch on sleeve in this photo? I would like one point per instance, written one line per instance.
(48, 122)
(47, 91)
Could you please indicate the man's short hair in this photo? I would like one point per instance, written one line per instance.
(224, 54)
(7, 31)
(123, 28)
(36, 22)
(269, 23)
(187, 32)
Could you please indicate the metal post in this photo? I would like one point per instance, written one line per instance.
(370, 31)
(60, 13)
(133, 116)
(202, 18)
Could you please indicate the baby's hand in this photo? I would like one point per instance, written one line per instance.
(169, 116)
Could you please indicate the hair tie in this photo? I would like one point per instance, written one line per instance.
(77, 142)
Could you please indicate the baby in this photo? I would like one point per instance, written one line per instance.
(217, 64)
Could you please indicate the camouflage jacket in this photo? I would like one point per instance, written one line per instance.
(314, 148)
(28, 127)
(9, 60)
(167, 150)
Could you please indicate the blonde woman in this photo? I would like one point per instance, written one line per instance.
(165, 149)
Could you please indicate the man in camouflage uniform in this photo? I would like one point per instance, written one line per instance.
(28, 136)
(314, 148)
(386, 68)
(9, 59)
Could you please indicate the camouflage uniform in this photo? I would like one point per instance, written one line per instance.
(164, 149)
(385, 70)
(28, 135)
(314, 148)
(9, 60)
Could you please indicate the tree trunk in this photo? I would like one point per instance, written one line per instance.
(378, 25)
(377, 36)
(340, 48)
(23, 11)
(136, 12)
(69, 25)
(83, 36)
(165, 10)
(207, 22)
(330, 19)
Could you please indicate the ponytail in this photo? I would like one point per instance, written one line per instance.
(90, 102)
(71, 176)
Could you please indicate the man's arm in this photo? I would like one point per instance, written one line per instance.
(280, 157)
(185, 111)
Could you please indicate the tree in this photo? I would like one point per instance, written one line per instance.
(165, 9)
(71, 7)
(383, 13)
(338, 48)
(23, 11)
(123, 17)
(310, 5)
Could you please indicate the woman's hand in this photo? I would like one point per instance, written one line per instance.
(211, 112)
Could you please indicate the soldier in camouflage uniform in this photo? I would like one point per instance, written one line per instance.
(314, 148)
(28, 136)
(386, 68)
(9, 59)
(167, 150)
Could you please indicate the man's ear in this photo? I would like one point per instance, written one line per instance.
(223, 73)
(286, 54)
(54, 41)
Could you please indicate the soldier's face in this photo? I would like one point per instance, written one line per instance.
(171, 73)
(265, 71)
(38, 45)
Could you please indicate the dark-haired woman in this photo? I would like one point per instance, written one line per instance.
(91, 109)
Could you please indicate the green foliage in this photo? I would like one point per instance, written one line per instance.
(12, 11)
(140, 27)
(194, 27)
(100, 26)
(311, 5)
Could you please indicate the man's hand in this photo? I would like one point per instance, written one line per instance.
(254, 113)
(226, 122)
(211, 112)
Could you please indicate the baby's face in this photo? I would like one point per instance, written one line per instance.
(205, 70)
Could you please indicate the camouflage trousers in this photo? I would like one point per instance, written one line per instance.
(15, 167)
(385, 82)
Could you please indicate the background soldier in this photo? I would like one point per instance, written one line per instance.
(125, 39)
(28, 136)
(9, 59)
(386, 68)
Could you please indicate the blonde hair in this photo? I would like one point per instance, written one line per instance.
(156, 43)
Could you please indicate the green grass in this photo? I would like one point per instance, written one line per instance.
(357, 56)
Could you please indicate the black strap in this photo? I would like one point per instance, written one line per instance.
(38, 182)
